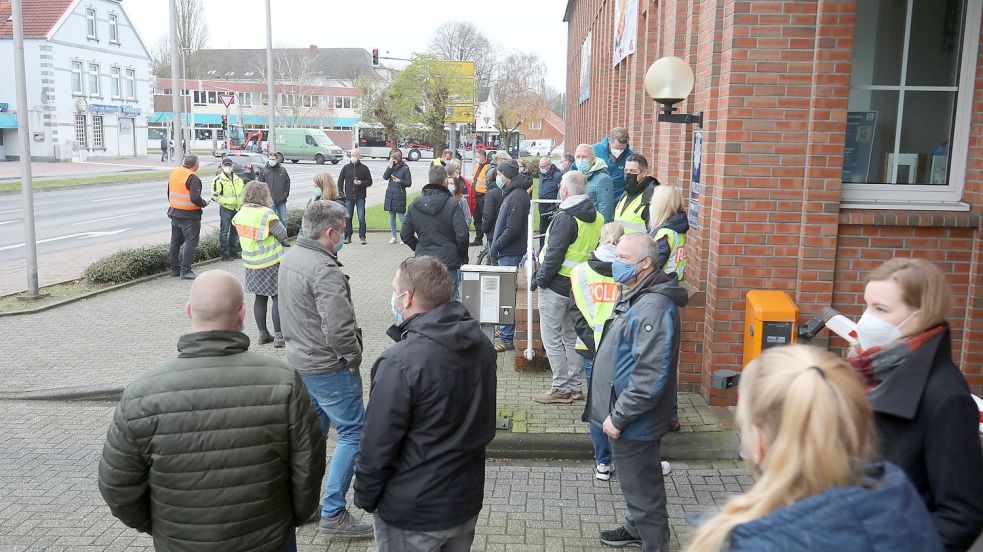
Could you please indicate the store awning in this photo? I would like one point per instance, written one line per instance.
(8, 120)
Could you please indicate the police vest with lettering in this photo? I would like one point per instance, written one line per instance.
(677, 251)
(178, 194)
(588, 236)
(481, 178)
(260, 248)
(595, 295)
(227, 191)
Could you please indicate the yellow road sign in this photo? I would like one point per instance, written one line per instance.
(460, 114)
(455, 68)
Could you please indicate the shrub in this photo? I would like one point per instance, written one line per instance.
(130, 264)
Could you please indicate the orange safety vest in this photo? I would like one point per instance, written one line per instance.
(481, 178)
(178, 194)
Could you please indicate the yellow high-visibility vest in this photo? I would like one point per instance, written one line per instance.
(588, 236)
(677, 251)
(227, 191)
(629, 214)
(260, 248)
(595, 295)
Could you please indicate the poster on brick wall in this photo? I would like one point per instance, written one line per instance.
(625, 28)
(694, 180)
(585, 68)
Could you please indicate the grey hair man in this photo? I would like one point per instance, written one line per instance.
(191, 463)
(324, 344)
(572, 236)
(600, 188)
(567, 161)
(184, 209)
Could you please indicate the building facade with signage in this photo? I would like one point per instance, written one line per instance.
(88, 81)
(836, 135)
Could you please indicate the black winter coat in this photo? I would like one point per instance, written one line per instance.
(396, 191)
(218, 449)
(435, 227)
(493, 203)
(927, 424)
(511, 229)
(431, 413)
(277, 180)
(346, 180)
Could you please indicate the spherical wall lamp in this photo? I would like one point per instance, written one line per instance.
(669, 81)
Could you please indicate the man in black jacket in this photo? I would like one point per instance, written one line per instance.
(184, 209)
(278, 181)
(493, 204)
(431, 413)
(352, 182)
(435, 226)
(508, 243)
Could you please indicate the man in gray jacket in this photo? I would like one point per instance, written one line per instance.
(238, 471)
(324, 344)
(632, 386)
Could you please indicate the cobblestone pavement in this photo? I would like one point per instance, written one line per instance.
(49, 500)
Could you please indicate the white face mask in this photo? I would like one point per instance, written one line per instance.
(227, 170)
(617, 152)
(452, 188)
(875, 332)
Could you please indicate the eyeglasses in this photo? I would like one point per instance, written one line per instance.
(405, 270)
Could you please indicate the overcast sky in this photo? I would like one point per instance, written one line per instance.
(399, 27)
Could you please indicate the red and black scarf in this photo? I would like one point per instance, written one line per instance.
(875, 364)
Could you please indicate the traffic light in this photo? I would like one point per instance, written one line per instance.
(375, 57)
(225, 122)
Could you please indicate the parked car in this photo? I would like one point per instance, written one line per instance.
(558, 151)
(535, 147)
(246, 164)
(309, 144)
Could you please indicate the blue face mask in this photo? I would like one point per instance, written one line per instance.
(397, 315)
(499, 181)
(623, 272)
(317, 193)
(582, 165)
(338, 246)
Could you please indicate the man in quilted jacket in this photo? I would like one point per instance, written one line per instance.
(220, 448)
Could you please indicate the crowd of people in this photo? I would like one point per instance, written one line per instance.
(875, 451)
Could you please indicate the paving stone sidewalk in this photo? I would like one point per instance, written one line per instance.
(49, 500)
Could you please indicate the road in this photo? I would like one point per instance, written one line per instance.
(76, 226)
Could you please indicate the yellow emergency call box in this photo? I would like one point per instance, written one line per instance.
(771, 320)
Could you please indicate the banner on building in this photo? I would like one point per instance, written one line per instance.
(585, 68)
(860, 128)
(694, 180)
(625, 29)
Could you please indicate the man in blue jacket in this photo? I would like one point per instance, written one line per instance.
(632, 386)
(600, 187)
(508, 243)
(614, 151)
(549, 188)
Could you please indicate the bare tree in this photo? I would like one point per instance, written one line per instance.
(295, 75)
(518, 92)
(462, 41)
(192, 34)
(160, 58)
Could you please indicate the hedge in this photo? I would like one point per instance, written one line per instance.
(148, 260)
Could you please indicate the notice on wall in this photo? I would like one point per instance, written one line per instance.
(585, 68)
(860, 127)
(491, 292)
(625, 28)
(694, 180)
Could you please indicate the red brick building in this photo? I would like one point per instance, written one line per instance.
(836, 134)
(547, 127)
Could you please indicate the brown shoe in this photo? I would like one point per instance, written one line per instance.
(675, 426)
(553, 396)
(577, 395)
(365, 241)
(348, 240)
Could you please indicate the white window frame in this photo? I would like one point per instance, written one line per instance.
(97, 92)
(536, 125)
(77, 69)
(130, 81)
(80, 132)
(924, 196)
(116, 82)
(91, 26)
(113, 28)
(344, 102)
(98, 133)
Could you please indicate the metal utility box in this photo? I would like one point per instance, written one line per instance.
(771, 320)
(488, 292)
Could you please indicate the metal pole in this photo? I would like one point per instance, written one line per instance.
(529, 353)
(191, 102)
(176, 87)
(271, 136)
(27, 192)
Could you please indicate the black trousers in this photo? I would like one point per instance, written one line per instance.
(478, 212)
(184, 232)
(640, 477)
(544, 223)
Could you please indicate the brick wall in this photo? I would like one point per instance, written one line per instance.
(772, 79)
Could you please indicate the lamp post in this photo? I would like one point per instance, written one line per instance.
(191, 103)
(669, 81)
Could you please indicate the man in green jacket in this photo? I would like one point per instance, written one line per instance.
(219, 449)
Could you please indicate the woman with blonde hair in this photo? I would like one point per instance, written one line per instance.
(458, 187)
(325, 189)
(668, 224)
(926, 419)
(261, 235)
(806, 431)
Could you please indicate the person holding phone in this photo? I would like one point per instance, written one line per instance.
(399, 178)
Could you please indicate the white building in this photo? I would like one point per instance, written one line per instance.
(88, 81)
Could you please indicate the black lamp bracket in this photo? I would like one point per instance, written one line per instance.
(667, 114)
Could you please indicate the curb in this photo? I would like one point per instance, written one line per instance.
(689, 445)
(81, 393)
(78, 186)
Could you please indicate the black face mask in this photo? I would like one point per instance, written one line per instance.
(632, 185)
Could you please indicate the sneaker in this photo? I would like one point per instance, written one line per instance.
(344, 525)
(603, 472)
(619, 537)
(577, 395)
(364, 241)
(278, 341)
(189, 276)
(553, 396)
(399, 240)
(264, 337)
(348, 240)
(666, 468)
(675, 426)
(503, 346)
(392, 240)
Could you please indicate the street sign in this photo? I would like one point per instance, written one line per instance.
(460, 114)
(458, 76)
(455, 68)
(226, 99)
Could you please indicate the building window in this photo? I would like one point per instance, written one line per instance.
(117, 85)
(80, 129)
(94, 80)
(97, 141)
(536, 125)
(90, 23)
(212, 98)
(199, 97)
(114, 28)
(911, 89)
(77, 77)
(131, 84)
(343, 102)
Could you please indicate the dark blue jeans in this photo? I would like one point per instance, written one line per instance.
(352, 205)
(456, 279)
(507, 332)
(281, 211)
(602, 447)
(228, 238)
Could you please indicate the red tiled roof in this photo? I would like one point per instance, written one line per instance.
(39, 16)
(555, 121)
